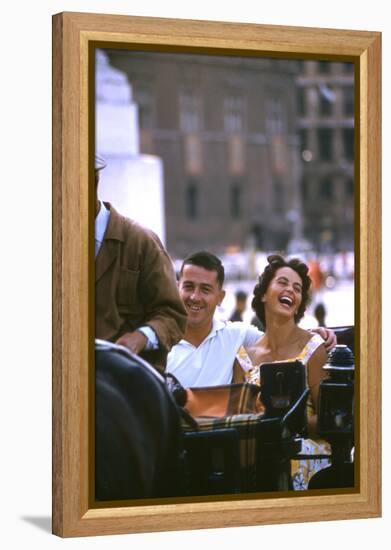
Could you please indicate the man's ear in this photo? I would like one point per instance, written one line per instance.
(222, 296)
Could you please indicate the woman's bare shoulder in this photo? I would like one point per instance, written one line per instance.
(305, 335)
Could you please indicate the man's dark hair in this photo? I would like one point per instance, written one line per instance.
(208, 261)
(240, 295)
(275, 262)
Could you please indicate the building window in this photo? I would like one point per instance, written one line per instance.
(191, 199)
(189, 112)
(144, 100)
(236, 201)
(348, 142)
(348, 101)
(327, 98)
(305, 188)
(349, 187)
(234, 114)
(305, 152)
(348, 68)
(278, 193)
(326, 188)
(303, 136)
(275, 122)
(325, 106)
(325, 143)
(301, 105)
(301, 66)
(324, 67)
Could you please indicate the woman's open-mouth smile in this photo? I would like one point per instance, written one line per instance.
(286, 301)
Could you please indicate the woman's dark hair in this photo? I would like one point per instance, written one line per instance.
(275, 262)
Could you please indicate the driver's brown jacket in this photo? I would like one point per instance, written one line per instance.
(135, 285)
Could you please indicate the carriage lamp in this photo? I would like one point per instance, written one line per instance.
(336, 395)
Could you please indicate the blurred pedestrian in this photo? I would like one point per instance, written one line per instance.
(316, 275)
(256, 322)
(320, 314)
(240, 306)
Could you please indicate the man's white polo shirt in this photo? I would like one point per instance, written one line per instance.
(211, 363)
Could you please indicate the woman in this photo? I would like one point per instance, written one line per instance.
(280, 299)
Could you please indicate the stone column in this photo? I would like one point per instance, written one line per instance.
(132, 182)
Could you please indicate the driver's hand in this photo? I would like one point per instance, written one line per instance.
(328, 335)
(134, 341)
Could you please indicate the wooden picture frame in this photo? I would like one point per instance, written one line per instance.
(73, 36)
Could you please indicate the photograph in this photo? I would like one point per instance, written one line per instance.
(243, 168)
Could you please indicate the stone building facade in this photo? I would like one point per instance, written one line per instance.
(257, 153)
(226, 129)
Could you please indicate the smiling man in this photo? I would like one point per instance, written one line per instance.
(206, 354)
